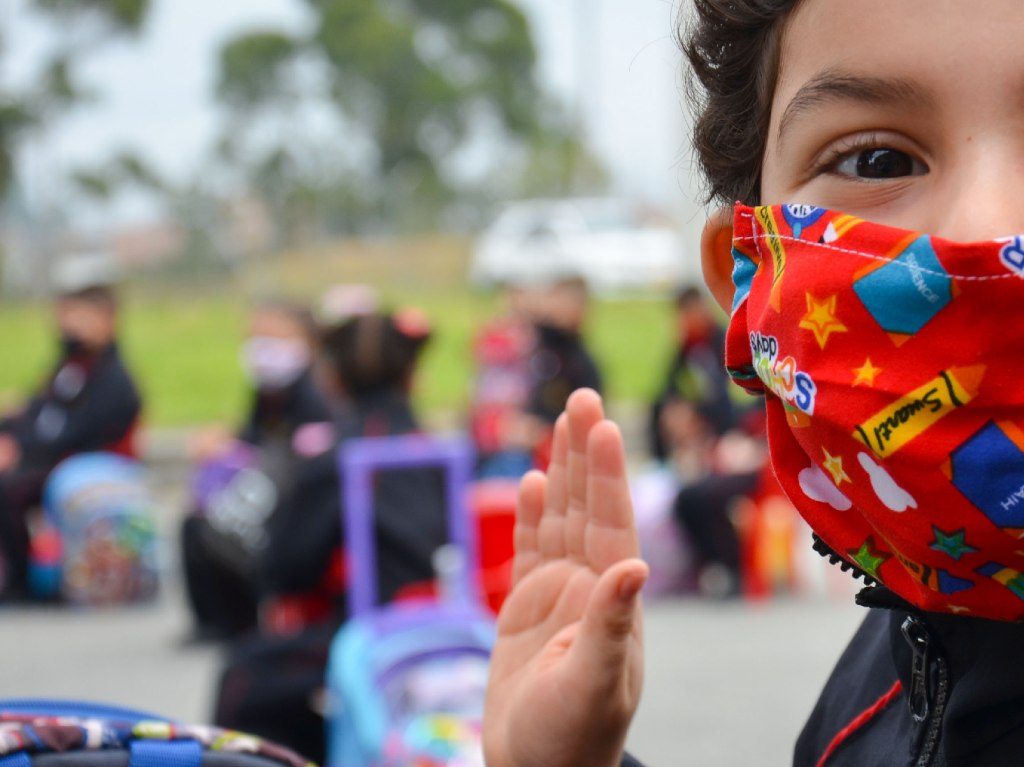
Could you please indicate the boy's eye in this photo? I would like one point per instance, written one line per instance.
(879, 163)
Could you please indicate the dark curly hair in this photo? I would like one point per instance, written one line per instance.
(374, 352)
(733, 50)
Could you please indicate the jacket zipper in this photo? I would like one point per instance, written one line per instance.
(926, 707)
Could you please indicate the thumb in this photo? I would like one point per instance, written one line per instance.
(602, 644)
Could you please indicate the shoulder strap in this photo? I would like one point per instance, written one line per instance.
(162, 753)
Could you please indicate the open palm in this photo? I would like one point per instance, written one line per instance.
(568, 664)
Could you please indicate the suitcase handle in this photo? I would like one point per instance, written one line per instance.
(358, 459)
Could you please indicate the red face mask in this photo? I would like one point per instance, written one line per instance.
(893, 364)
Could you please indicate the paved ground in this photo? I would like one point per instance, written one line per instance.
(726, 685)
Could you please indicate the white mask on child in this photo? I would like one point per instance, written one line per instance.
(274, 363)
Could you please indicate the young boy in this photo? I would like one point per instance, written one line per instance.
(89, 402)
(888, 361)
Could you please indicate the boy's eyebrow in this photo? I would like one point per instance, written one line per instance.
(834, 85)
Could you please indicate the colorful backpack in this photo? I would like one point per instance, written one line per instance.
(98, 542)
(406, 681)
(47, 733)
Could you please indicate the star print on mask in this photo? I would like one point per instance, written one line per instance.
(834, 465)
(821, 319)
(868, 558)
(866, 374)
(952, 544)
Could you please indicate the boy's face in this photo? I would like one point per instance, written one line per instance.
(907, 113)
(88, 322)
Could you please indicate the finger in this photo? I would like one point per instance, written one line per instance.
(585, 411)
(610, 535)
(551, 534)
(611, 622)
(529, 509)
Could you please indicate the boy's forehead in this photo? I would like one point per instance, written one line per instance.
(930, 49)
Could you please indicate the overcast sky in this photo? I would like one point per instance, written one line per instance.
(156, 91)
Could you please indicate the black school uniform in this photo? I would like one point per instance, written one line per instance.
(918, 689)
(696, 375)
(559, 365)
(276, 414)
(89, 402)
(268, 682)
(223, 598)
(305, 530)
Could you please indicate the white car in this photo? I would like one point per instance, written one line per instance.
(604, 241)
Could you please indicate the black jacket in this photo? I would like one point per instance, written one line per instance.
(931, 690)
(559, 365)
(697, 376)
(917, 689)
(305, 529)
(278, 414)
(88, 403)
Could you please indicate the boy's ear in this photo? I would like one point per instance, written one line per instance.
(716, 257)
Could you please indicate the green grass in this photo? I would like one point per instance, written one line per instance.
(183, 344)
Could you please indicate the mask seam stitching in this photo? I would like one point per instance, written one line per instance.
(871, 256)
(754, 236)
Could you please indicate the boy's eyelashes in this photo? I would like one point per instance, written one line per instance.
(869, 159)
(878, 164)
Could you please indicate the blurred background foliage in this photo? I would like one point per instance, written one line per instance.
(343, 149)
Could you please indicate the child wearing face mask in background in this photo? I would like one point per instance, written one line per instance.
(889, 363)
(89, 402)
(270, 686)
(277, 357)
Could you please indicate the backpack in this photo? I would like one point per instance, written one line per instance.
(49, 733)
(98, 544)
(406, 681)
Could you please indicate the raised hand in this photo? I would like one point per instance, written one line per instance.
(568, 664)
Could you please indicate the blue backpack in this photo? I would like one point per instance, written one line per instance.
(47, 733)
(406, 681)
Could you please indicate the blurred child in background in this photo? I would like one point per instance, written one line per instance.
(561, 361)
(696, 375)
(367, 364)
(277, 357)
(529, 362)
(709, 441)
(501, 389)
(88, 402)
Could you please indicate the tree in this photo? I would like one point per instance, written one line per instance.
(410, 83)
(79, 27)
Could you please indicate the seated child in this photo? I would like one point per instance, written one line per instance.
(367, 363)
(557, 361)
(277, 356)
(88, 402)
